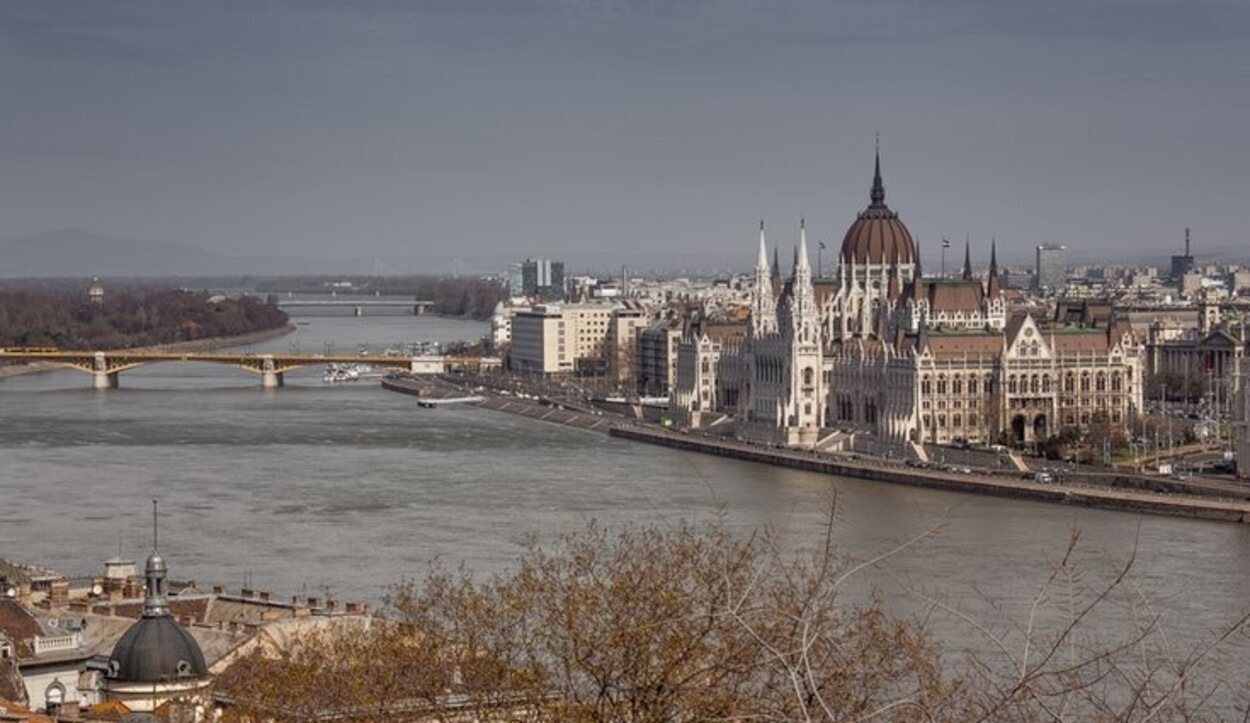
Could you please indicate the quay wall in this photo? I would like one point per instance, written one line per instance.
(1168, 500)
(1120, 499)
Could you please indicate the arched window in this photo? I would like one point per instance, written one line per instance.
(1069, 382)
(1117, 382)
(1036, 386)
(1046, 384)
(926, 386)
(1084, 382)
(1101, 382)
(941, 384)
(808, 375)
(957, 420)
(958, 385)
(1011, 384)
(54, 695)
(972, 420)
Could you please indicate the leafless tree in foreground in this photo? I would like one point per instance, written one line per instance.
(695, 623)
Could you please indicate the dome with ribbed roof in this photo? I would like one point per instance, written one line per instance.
(878, 236)
(156, 649)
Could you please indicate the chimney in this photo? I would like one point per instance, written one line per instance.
(330, 605)
(219, 590)
(353, 608)
(295, 599)
(264, 595)
(314, 602)
(59, 593)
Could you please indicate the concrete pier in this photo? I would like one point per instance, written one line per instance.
(270, 377)
(102, 376)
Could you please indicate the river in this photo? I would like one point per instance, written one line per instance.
(317, 488)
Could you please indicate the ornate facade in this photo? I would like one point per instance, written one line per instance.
(879, 348)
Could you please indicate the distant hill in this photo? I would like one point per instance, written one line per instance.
(71, 252)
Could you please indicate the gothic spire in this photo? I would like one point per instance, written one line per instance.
(800, 259)
(993, 286)
(761, 263)
(878, 188)
(776, 264)
(967, 260)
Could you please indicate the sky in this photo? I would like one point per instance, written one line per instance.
(627, 129)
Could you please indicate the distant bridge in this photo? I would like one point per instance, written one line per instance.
(359, 305)
(106, 366)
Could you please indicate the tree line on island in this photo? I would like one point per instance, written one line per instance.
(65, 319)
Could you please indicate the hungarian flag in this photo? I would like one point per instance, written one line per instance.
(946, 243)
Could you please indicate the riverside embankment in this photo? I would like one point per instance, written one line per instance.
(1209, 508)
(209, 344)
(1201, 503)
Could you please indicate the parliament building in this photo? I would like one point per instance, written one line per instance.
(879, 348)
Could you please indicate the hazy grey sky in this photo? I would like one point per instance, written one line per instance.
(575, 128)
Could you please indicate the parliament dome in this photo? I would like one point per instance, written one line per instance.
(878, 236)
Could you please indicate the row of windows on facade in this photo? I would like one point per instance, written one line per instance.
(1037, 383)
(772, 370)
(957, 421)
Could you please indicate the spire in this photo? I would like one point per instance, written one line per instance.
(1186, 240)
(776, 265)
(878, 188)
(800, 260)
(993, 285)
(761, 263)
(154, 602)
(967, 260)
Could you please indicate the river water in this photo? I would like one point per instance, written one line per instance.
(317, 488)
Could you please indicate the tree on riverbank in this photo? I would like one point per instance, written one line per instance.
(128, 319)
(695, 623)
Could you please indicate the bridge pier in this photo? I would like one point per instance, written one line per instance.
(418, 310)
(360, 311)
(270, 377)
(102, 377)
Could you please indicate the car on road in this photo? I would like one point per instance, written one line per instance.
(1044, 477)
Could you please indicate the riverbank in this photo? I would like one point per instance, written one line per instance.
(1223, 510)
(1199, 504)
(208, 344)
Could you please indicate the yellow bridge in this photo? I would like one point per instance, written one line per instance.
(106, 366)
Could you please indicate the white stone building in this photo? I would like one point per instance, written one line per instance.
(880, 349)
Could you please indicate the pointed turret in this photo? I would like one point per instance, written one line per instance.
(763, 302)
(761, 263)
(967, 260)
(993, 284)
(776, 267)
(878, 188)
(800, 253)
